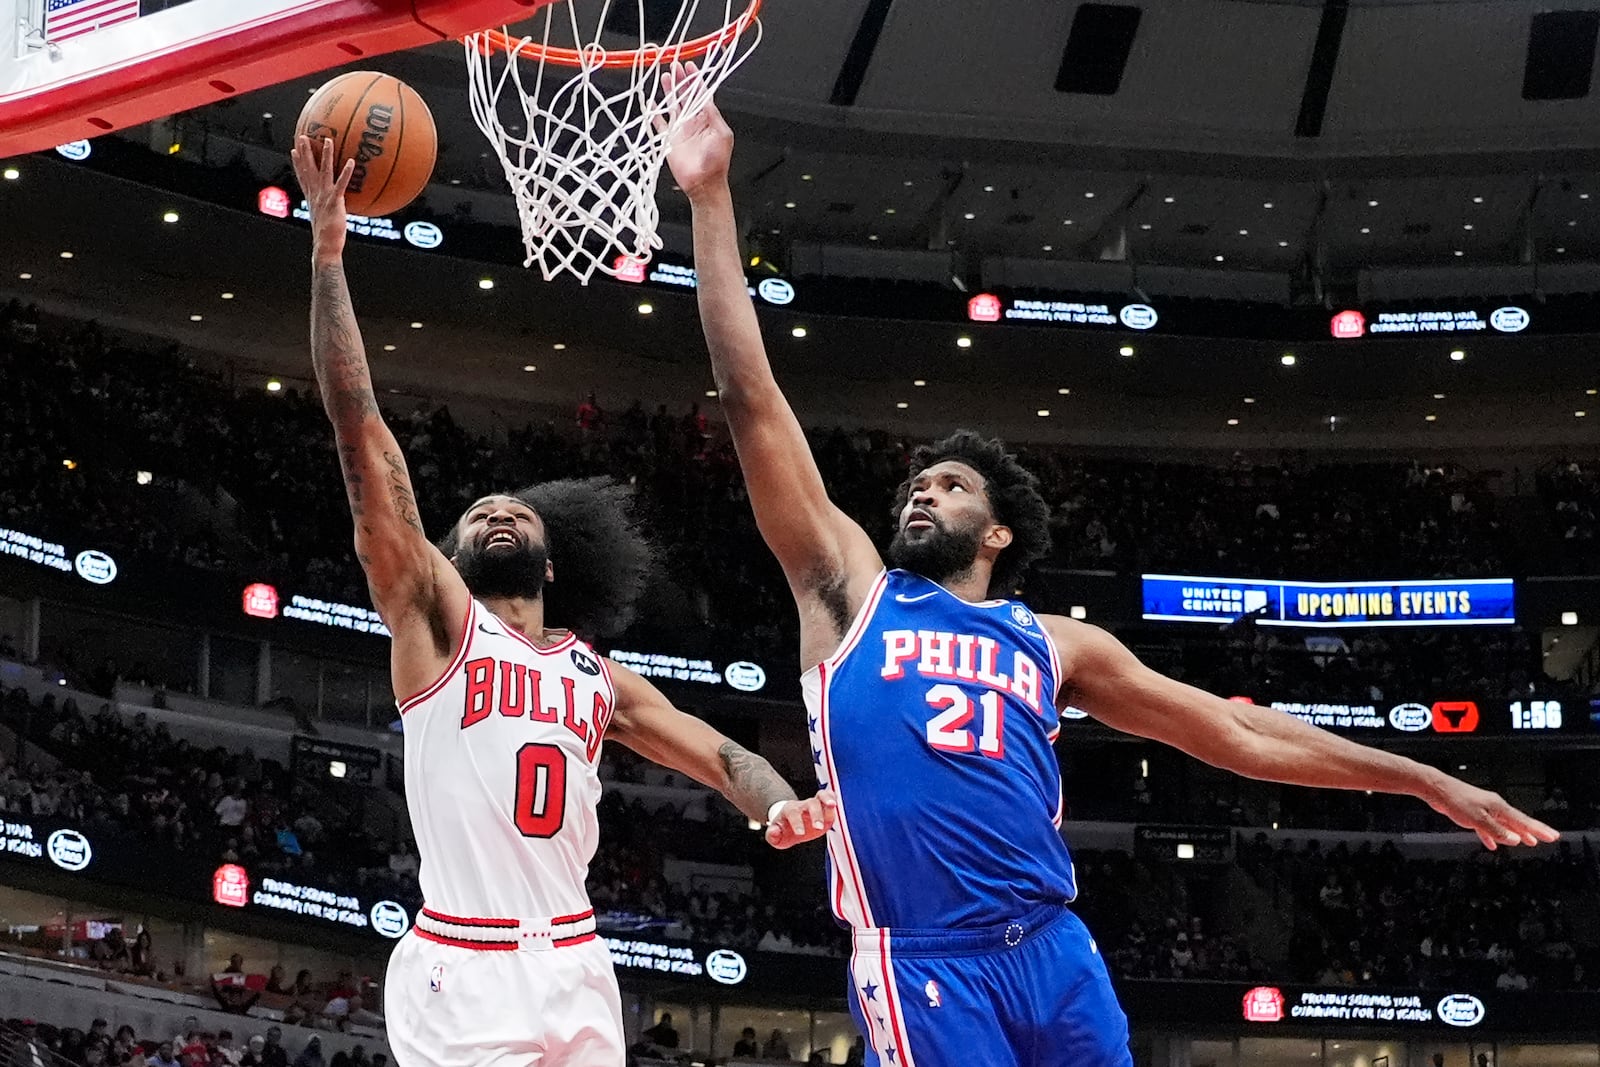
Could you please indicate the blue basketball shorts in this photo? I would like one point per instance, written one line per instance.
(1029, 993)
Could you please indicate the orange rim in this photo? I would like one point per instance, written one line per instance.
(595, 56)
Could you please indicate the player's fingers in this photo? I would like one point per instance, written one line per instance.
(775, 836)
(794, 817)
(1532, 830)
(345, 176)
(327, 159)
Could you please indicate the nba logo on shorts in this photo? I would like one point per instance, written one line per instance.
(932, 989)
(436, 977)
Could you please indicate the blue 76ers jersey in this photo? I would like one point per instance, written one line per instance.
(933, 724)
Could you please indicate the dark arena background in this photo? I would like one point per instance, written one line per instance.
(1291, 305)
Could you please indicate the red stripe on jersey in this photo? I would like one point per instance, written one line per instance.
(892, 995)
(842, 825)
(563, 942)
(456, 920)
(457, 942)
(578, 918)
(559, 646)
(449, 672)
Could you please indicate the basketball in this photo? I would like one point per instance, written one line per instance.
(381, 123)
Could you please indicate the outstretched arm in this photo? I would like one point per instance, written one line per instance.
(823, 552)
(408, 577)
(646, 722)
(1107, 680)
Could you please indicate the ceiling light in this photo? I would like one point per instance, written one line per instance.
(1043, 413)
(1125, 350)
(1372, 203)
(529, 367)
(1579, 414)
(1457, 355)
(143, 477)
(1569, 618)
(711, 393)
(1168, 200)
(646, 309)
(1064, 391)
(1066, 222)
(1244, 233)
(1283, 244)
(388, 348)
(1287, 359)
(805, 177)
(1267, 205)
(416, 325)
(1233, 422)
(1366, 229)
(789, 204)
(1572, 222)
(196, 318)
(25, 276)
(1583, 196)
(1561, 251)
(963, 342)
(1249, 400)
(888, 211)
(485, 283)
(1438, 396)
(170, 217)
(969, 216)
(1144, 225)
(988, 188)
(559, 346)
(872, 237)
(1586, 392)
(227, 296)
(12, 174)
(908, 183)
(1466, 226)
(1219, 259)
(1431, 418)
(798, 331)
(70, 464)
(274, 386)
(66, 255)
(1459, 253)
(902, 405)
(1477, 200)
(1049, 248)
(1088, 196)
(919, 383)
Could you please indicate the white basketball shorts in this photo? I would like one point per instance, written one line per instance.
(534, 1005)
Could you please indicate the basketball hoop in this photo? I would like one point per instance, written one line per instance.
(592, 144)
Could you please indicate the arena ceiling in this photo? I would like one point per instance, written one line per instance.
(1293, 152)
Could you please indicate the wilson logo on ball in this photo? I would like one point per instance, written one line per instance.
(379, 118)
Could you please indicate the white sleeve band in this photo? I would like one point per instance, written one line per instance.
(772, 812)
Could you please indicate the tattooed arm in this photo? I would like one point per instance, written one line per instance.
(646, 722)
(415, 589)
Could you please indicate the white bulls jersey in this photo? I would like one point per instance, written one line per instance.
(501, 755)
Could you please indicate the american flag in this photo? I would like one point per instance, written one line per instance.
(66, 19)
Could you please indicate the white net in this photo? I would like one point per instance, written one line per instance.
(586, 142)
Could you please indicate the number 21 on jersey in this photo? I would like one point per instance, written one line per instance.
(950, 730)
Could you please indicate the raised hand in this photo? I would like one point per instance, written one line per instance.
(803, 820)
(702, 148)
(313, 168)
(1488, 815)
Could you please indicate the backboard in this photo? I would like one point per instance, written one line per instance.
(75, 69)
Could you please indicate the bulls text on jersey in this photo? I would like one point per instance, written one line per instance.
(514, 690)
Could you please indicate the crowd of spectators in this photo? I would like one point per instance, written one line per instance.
(244, 479)
(33, 1043)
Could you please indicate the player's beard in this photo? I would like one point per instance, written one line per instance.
(503, 574)
(938, 555)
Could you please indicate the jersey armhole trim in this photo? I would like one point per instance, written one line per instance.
(1055, 667)
(858, 626)
(455, 664)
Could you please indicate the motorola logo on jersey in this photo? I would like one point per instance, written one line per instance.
(1461, 1009)
(585, 663)
(389, 919)
(1410, 717)
(745, 677)
(95, 567)
(230, 886)
(775, 291)
(1510, 319)
(69, 850)
(423, 234)
(726, 966)
(1455, 717)
(1138, 317)
(1263, 1004)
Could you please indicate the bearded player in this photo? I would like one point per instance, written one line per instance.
(504, 718)
(933, 706)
